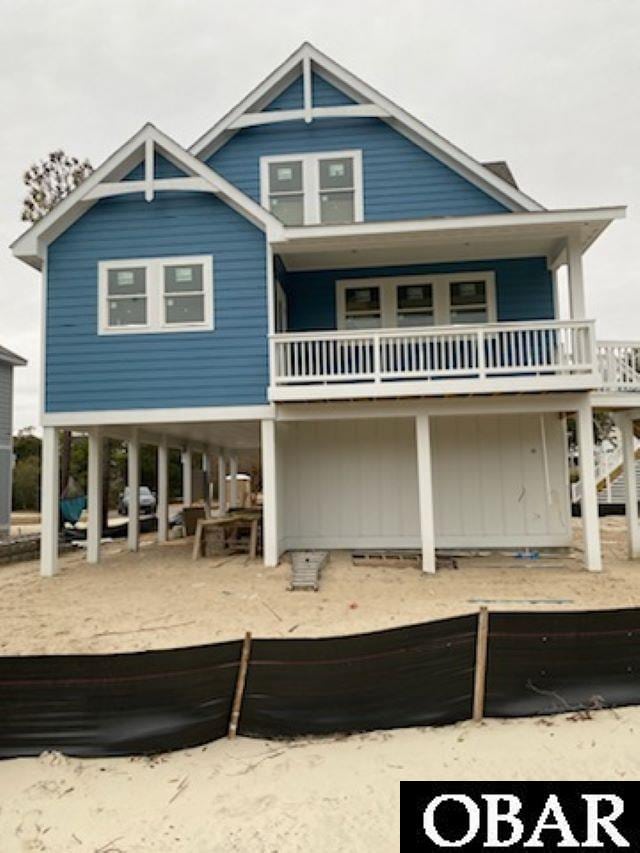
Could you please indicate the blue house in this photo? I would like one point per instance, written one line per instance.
(324, 278)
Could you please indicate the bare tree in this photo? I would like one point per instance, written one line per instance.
(49, 181)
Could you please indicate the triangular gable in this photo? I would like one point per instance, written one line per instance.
(324, 95)
(162, 168)
(178, 171)
(308, 63)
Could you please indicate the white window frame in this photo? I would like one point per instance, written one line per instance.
(311, 181)
(441, 304)
(154, 278)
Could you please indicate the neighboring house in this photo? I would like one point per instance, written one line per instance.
(8, 360)
(325, 278)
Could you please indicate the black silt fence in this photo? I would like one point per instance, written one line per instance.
(414, 676)
(545, 663)
(120, 704)
(148, 702)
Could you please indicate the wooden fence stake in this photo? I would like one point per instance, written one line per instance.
(480, 672)
(242, 677)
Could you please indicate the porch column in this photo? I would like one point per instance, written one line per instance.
(425, 494)
(625, 424)
(94, 495)
(133, 481)
(49, 507)
(589, 499)
(576, 278)
(233, 471)
(222, 483)
(187, 477)
(206, 482)
(269, 493)
(163, 491)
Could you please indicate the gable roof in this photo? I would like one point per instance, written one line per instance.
(8, 357)
(107, 180)
(307, 59)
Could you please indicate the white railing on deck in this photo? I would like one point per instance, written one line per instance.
(619, 365)
(440, 352)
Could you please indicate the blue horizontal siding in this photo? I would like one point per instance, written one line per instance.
(401, 181)
(162, 168)
(323, 93)
(524, 289)
(226, 366)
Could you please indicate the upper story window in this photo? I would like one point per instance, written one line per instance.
(469, 301)
(312, 189)
(155, 295)
(415, 301)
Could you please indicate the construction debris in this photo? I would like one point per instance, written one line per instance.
(399, 559)
(305, 569)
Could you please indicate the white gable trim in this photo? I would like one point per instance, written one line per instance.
(245, 113)
(107, 181)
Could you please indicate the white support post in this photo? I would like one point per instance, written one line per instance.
(49, 507)
(187, 477)
(163, 491)
(206, 483)
(222, 483)
(625, 424)
(149, 168)
(576, 279)
(133, 482)
(589, 497)
(233, 472)
(425, 494)
(269, 493)
(94, 495)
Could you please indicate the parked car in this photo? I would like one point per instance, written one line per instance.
(147, 501)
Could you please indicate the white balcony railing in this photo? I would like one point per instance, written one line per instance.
(619, 365)
(490, 355)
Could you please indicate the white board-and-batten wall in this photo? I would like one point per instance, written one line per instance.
(498, 481)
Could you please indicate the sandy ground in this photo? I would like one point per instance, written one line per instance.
(161, 598)
(266, 797)
(314, 795)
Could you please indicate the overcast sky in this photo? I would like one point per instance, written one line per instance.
(550, 85)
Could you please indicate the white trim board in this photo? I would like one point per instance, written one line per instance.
(122, 417)
(443, 406)
(360, 91)
(470, 542)
(597, 217)
(437, 388)
(30, 246)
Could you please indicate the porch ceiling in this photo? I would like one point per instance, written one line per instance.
(231, 435)
(447, 239)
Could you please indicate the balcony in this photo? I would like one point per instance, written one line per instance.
(491, 358)
(619, 366)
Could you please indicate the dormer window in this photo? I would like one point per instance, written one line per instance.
(313, 189)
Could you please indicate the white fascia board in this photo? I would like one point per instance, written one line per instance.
(30, 245)
(124, 417)
(399, 119)
(571, 218)
(32, 242)
(10, 358)
(258, 97)
(437, 406)
(279, 116)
